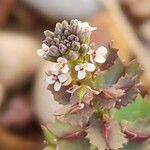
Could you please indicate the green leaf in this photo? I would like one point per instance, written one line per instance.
(137, 146)
(80, 92)
(50, 147)
(119, 94)
(62, 97)
(113, 74)
(134, 68)
(59, 129)
(73, 145)
(79, 118)
(145, 108)
(129, 84)
(49, 136)
(110, 60)
(140, 108)
(140, 128)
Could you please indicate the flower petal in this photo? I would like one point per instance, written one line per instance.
(62, 78)
(62, 60)
(81, 74)
(45, 47)
(55, 72)
(78, 67)
(65, 69)
(57, 86)
(101, 51)
(41, 52)
(51, 79)
(54, 67)
(100, 59)
(90, 67)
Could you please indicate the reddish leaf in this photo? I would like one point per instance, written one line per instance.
(105, 135)
(112, 56)
(62, 96)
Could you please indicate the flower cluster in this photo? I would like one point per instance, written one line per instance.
(66, 40)
(89, 82)
(69, 49)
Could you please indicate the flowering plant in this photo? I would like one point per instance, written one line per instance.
(92, 84)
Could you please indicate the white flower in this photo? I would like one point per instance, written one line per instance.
(83, 68)
(98, 55)
(42, 52)
(61, 65)
(57, 79)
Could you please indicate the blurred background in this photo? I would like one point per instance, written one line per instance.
(24, 100)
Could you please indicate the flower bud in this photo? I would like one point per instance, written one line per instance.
(62, 48)
(48, 33)
(84, 49)
(53, 51)
(73, 55)
(75, 45)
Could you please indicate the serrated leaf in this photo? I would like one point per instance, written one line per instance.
(140, 108)
(134, 68)
(129, 84)
(78, 94)
(105, 136)
(138, 130)
(112, 56)
(73, 145)
(59, 129)
(117, 138)
(62, 97)
(80, 134)
(145, 108)
(108, 97)
(137, 146)
(129, 112)
(113, 74)
(82, 94)
(119, 94)
(79, 118)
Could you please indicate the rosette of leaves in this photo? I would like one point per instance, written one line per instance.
(89, 82)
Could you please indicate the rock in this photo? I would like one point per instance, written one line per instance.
(69, 9)
(18, 59)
